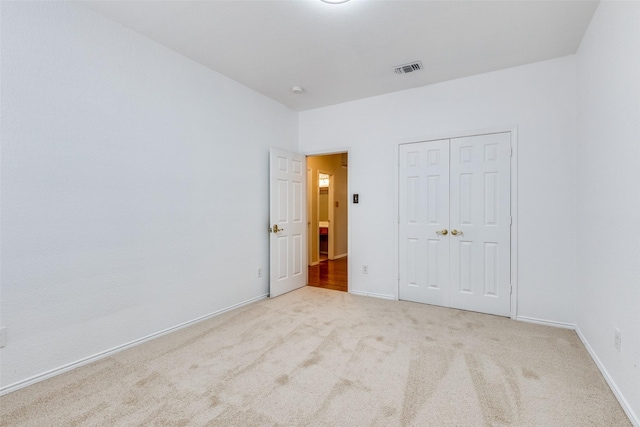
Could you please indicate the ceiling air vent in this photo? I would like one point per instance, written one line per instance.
(408, 68)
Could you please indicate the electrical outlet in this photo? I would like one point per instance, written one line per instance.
(259, 272)
(365, 269)
(617, 343)
(3, 337)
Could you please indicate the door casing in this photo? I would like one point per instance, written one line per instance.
(330, 196)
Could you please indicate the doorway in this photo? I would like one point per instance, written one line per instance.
(327, 221)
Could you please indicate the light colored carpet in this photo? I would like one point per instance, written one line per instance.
(327, 358)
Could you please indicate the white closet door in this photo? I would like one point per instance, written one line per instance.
(423, 215)
(455, 223)
(480, 223)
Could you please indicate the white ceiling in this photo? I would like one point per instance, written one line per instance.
(343, 52)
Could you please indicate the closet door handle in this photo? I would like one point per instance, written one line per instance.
(455, 232)
(442, 232)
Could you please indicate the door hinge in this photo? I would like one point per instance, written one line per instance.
(511, 152)
(510, 289)
(510, 220)
(398, 277)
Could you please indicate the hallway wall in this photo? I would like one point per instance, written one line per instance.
(331, 164)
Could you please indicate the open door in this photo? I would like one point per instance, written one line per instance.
(288, 221)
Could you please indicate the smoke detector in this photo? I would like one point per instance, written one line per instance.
(408, 68)
(297, 90)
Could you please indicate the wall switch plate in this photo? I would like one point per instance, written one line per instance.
(259, 272)
(617, 343)
(3, 337)
(365, 269)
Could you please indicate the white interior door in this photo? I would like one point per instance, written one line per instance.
(473, 257)
(424, 219)
(288, 219)
(331, 238)
(480, 233)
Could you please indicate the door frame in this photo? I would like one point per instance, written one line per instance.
(514, 199)
(330, 214)
(349, 203)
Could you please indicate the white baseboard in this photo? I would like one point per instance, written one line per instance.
(314, 263)
(369, 294)
(546, 322)
(340, 256)
(635, 420)
(85, 361)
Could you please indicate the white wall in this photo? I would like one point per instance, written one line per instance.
(608, 286)
(539, 99)
(134, 187)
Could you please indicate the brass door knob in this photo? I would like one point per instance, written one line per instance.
(442, 232)
(456, 232)
(275, 229)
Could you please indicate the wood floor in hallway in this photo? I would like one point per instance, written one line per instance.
(330, 275)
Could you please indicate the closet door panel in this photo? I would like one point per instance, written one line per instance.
(423, 215)
(481, 223)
